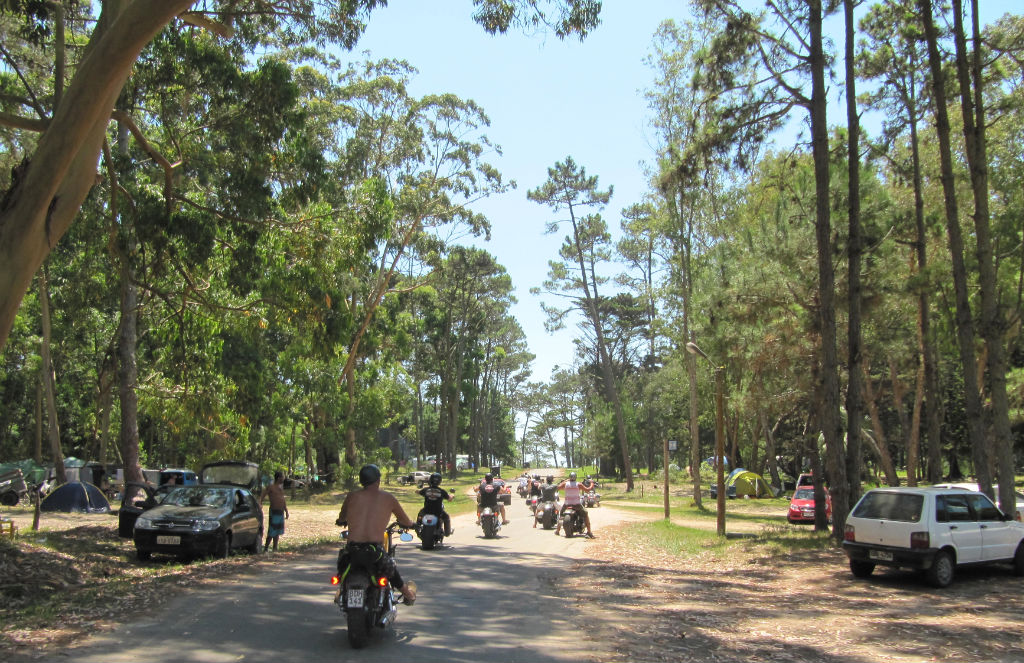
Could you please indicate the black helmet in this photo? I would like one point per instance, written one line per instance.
(536, 477)
(369, 474)
(551, 479)
(435, 479)
(572, 476)
(488, 477)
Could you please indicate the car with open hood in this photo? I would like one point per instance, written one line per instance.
(204, 519)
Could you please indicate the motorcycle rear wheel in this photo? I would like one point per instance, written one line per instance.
(427, 540)
(358, 627)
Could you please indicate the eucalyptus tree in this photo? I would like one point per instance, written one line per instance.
(71, 118)
(576, 278)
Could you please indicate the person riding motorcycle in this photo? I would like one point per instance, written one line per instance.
(574, 498)
(433, 501)
(534, 486)
(548, 493)
(367, 512)
(488, 492)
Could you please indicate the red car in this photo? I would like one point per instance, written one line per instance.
(801, 505)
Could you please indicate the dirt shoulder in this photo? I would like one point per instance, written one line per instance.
(648, 605)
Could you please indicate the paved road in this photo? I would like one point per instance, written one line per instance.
(477, 597)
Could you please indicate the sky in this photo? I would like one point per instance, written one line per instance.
(546, 100)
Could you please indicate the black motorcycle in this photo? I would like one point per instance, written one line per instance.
(572, 522)
(547, 514)
(430, 529)
(367, 599)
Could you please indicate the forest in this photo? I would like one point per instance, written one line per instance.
(224, 235)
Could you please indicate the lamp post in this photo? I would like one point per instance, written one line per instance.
(692, 348)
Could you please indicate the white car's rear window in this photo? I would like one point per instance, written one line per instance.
(878, 505)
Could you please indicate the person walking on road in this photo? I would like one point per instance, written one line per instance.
(278, 510)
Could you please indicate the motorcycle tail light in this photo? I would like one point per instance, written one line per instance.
(335, 580)
(383, 582)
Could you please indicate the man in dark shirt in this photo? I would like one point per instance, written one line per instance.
(433, 501)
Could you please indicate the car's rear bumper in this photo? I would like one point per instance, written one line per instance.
(915, 558)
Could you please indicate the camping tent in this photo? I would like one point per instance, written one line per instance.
(76, 496)
(748, 483)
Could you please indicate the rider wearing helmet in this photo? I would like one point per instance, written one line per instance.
(433, 501)
(574, 498)
(548, 493)
(488, 492)
(367, 512)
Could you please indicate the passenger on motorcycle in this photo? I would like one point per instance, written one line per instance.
(573, 497)
(548, 493)
(488, 492)
(367, 513)
(433, 501)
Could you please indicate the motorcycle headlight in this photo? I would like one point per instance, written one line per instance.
(205, 525)
(143, 522)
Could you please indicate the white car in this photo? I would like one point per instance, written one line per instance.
(1018, 497)
(932, 529)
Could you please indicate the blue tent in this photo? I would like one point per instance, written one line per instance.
(76, 497)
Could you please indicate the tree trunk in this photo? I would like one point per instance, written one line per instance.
(881, 446)
(964, 319)
(47, 193)
(773, 465)
(899, 394)
(854, 399)
(49, 378)
(991, 317)
(829, 419)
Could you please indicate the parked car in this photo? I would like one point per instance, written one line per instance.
(801, 505)
(206, 519)
(1018, 496)
(931, 529)
(419, 478)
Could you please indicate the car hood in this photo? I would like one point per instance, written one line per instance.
(173, 512)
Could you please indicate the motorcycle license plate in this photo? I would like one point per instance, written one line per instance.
(168, 540)
(354, 598)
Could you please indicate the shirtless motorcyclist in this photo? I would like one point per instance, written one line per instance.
(367, 513)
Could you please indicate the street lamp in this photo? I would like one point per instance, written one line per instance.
(692, 348)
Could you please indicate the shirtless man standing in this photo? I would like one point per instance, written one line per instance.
(367, 513)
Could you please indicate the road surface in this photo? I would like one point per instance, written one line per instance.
(477, 597)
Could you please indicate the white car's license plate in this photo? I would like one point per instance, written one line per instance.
(354, 598)
(882, 555)
(168, 540)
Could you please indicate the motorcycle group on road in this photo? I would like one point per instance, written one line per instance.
(369, 586)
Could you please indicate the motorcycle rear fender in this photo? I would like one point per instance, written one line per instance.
(429, 519)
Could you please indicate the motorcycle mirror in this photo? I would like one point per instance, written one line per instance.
(405, 536)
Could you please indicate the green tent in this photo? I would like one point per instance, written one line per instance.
(748, 483)
(32, 471)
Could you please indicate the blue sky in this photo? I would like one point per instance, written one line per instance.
(546, 100)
